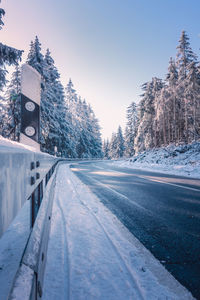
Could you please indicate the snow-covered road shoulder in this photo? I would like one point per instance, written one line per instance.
(91, 255)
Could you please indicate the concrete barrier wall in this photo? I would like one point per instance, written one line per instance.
(18, 168)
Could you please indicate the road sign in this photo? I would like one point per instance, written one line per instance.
(30, 107)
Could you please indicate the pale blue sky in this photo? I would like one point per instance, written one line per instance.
(108, 47)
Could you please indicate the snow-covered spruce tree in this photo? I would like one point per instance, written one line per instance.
(139, 139)
(120, 143)
(106, 149)
(185, 57)
(192, 103)
(67, 145)
(87, 130)
(116, 146)
(89, 143)
(95, 134)
(56, 128)
(166, 110)
(173, 101)
(8, 56)
(161, 120)
(50, 127)
(145, 138)
(84, 141)
(71, 98)
(12, 108)
(74, 105)
(74, 109)
(35, 57)
(131, 129)
(158, 86)
(113, 146)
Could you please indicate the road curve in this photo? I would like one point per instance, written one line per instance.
(162, 211)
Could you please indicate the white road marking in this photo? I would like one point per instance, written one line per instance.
(173, 184)
(117, 193)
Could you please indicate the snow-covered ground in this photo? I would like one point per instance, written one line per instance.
(91, 255)
(180, 160)
(12, 245)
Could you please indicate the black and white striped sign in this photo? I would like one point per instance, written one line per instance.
(30, 106)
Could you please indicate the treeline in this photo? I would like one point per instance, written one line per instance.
(168, 111)
(69, 127)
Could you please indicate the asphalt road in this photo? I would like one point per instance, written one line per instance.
(162, 211)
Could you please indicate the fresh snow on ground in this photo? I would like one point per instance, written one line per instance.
(12, 245)
(91, 255)
(179, 160)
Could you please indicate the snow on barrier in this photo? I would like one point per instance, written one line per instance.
(24, 177)
(22, 171)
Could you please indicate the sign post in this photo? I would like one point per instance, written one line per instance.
(30, 107)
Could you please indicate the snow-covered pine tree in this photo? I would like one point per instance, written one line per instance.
(120, 143)
(82, 118)
(12, 109)
(2, 13)
(185, 57)
(173, 101)
(145, 138)
(131, 129)
(74, 108)
(106, 148)
(116, 145)
(71, 97)
(56, 128)
(95, 134)
(86, 125)
(161, 119)
(89, 144)
(113, 146)
(139, 139)
(192, 99)
(8, 56)
(66, 145)
(35, 57)
(128, 145)
(50, 127)
(166, 109)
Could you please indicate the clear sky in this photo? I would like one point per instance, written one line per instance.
(108, 47)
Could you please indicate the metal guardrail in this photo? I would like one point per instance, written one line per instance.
(21, 171)
(32, 265)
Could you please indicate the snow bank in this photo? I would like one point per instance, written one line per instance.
(12, 245)
(14, 145)
(180, 160)
(91, 255)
